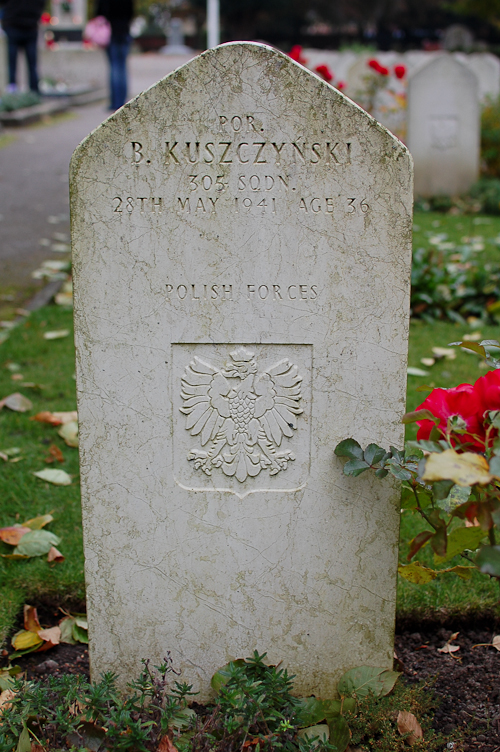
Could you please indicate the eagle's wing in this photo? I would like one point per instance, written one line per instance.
(278, 402)
(204, 395)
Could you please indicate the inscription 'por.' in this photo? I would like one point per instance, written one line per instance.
(248, 152)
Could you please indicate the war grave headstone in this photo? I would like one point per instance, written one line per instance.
(242, 241)
(487, 69)
(444, 127)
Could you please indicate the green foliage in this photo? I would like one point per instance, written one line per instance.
(448, 281)
(486, 192)
(490, 139)
(18, 100)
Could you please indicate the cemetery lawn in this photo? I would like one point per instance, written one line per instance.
(50, 365)
(462, 229)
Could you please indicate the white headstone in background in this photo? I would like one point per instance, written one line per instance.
(444, 127)
(242, 245)
(487, 69)
(67, 14)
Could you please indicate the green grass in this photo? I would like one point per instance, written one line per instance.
(49, 364)
(483, 229)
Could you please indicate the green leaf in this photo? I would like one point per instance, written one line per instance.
(320, 732)
(373, 454)
(419, 415)
(460, 539)
(458, 495)
(408, 499)
(442, 488)
(349, 448)
(355, 467)
(36, 543)
(340, 734)
(24, 743)
(222, 676)
(495, 466)
(310, 711)
(488, 560)
(465, 573)
(366, 680)
(66, 626)
(331, 709)
(79, 634)
(478, 349)
(381, 472)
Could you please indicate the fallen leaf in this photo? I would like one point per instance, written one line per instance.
(57, 477)
(37, 543)
(17, 377)
(55, 419)
(5, 699)
(58, 334)
(464, 469)
(64, 299)
(55, 555)
(448, 648)
(445, 352)
(411, 371)
(69, 432)
(427, 361)
(495, 643)
(55, 455)
(66, 626)
(408, 724)
(472, 337)
(12, 535)
(166, 745)
(51, 637)
(4, 457)
(31, 622)
(38, 522)
(26, 640)
(16, 402)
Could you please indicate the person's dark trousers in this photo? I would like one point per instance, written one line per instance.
(26, 38)
(117, 55)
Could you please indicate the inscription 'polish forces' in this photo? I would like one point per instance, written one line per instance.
(241, 416)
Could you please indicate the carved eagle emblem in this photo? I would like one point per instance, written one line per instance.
(241, 415)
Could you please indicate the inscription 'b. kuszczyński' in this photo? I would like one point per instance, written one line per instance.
(240, 415)
(241, 239)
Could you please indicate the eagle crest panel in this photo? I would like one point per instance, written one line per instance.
(244, 412)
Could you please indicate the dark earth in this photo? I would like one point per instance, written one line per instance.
(466, 682)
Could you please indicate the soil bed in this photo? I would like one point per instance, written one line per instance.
(466, 683)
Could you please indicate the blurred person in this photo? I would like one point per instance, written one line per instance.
(20, 20)
(119, 13)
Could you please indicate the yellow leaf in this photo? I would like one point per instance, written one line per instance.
(25, 640)
(417, 573)
(69, 432)
(465, 469)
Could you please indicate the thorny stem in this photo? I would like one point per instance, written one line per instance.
(491, 536)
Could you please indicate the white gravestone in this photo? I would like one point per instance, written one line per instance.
(242, 240)
(444, 127)
(487, 69)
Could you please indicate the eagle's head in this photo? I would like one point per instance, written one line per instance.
(242, 363)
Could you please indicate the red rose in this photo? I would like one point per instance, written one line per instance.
(399, 71)
(374, 64)
(340, 85)
(325, 72)
(460, 401)
(383, 71)
(296, 54)
(46, 18)
(487, 392)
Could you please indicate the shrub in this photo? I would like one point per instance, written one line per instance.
(490, 139)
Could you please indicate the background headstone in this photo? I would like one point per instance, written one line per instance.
(242, 245)
(444, 127)
(487, 69)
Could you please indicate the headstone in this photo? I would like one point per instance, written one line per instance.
(242, 245)
(444, 127)
(457, 37)
(487, 69)
(69, 13)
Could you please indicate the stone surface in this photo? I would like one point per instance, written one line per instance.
(487, 69)
(242, 244)
(444, 127)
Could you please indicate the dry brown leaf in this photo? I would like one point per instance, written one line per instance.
(51, 637)
(5, 699)
(17, 377)
(408, 724)
(17, 402)
(55, 455)
(448, 648)
(55, 419)
(31, 623)
(12, 535)
(55, 555)
(166, 745)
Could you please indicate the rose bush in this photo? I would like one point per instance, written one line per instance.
(451, 474)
